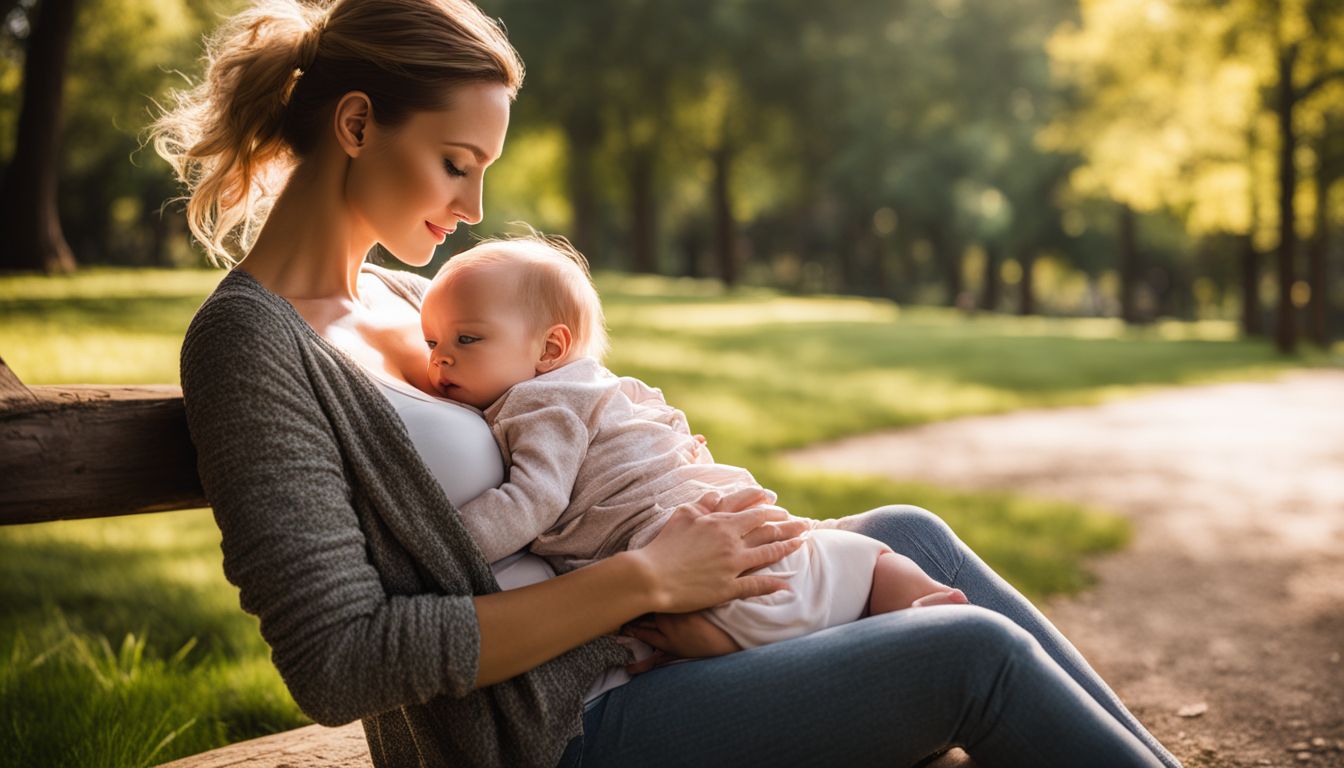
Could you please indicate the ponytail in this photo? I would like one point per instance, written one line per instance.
(271, 71)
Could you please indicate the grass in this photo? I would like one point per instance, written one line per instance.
(121, 644)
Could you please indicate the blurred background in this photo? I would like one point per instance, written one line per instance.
(1128, 158)
(808, 221)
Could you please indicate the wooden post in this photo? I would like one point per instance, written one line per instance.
(85, 451)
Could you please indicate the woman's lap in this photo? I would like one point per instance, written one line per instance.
(926, 539)
(889, 689)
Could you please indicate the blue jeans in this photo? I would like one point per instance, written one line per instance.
(995, 678)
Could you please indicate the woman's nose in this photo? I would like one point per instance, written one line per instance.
(469, 207)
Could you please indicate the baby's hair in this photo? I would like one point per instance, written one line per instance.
(553, 281)
(272, 74)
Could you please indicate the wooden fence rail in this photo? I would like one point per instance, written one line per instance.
(80, 451)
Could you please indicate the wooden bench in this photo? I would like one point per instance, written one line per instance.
(84, 451)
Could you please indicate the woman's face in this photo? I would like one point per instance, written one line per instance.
(411, 185)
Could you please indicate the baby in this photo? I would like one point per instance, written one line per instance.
(597, 463)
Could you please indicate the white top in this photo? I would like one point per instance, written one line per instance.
(456, 445)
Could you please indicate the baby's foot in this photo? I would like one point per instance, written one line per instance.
(947, 597)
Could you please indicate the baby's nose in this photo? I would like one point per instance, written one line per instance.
(446, 360)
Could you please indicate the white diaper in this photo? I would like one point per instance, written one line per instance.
(829, 579)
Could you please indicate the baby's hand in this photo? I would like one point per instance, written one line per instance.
(678, 636)
(700, 439)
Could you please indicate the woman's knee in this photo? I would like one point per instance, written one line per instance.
(916, 533)
(993, 633)
(983, 643)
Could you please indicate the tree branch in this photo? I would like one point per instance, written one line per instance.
(1317, 82)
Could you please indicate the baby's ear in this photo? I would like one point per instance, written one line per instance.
(555, 351)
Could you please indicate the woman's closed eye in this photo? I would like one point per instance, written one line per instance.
(452, 169)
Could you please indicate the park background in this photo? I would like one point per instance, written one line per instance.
(807, 222)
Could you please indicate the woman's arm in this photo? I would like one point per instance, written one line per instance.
(292, 542)
(698, 560)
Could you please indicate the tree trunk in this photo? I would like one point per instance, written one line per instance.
(881, 246)
(1318, 271)
(946, 253)
(725, 228)
(94, 234)
(643, 213)
(1252, 314)
(989, 295)
(691, 243)
(849, 256)
(1027, 303)
(907, 272)
(1318, 323)
(1129, 267)
(1252, 321)
(29, 216)
(1285, 335)
(582, 135)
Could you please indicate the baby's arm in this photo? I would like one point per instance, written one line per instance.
(546, 448)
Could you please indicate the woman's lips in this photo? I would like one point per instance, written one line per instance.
(438, 232)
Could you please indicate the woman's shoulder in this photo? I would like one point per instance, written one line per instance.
(239, 301)
(237, 321)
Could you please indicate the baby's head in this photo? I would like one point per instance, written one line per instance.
(506, 311)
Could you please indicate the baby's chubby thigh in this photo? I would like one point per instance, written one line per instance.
(829, 580)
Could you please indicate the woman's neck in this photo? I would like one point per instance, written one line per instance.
(310, 247)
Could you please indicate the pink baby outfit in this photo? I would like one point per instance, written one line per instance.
(597, 463)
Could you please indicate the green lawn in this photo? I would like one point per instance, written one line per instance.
(121, 643)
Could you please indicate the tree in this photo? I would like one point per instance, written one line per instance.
(28, 194)
(1204, 73)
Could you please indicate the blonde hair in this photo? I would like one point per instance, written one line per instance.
(553, 284)
(272, 73)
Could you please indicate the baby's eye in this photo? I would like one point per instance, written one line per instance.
(465, 339)
(431, 343)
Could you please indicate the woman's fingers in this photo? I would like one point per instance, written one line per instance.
(740, 499)
(750, 519)
(766, 554)
(772, 532)
(754, 586)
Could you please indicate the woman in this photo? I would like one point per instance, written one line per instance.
(376, 120)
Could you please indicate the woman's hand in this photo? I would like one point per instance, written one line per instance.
(707, 550)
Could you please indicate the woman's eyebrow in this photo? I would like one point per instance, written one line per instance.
(475, 150)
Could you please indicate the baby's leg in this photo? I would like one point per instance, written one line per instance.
(899, 583)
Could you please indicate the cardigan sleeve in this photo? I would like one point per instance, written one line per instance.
(545, 444)
(271, 467)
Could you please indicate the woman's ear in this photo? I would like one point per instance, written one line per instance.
(556, 349)
(353, 118)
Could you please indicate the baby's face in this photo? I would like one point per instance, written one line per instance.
(480, 344)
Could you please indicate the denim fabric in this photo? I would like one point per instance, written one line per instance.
(994, 677)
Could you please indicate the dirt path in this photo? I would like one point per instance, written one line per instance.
(1232, 594)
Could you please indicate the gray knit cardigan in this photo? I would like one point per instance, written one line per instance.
(343, 544)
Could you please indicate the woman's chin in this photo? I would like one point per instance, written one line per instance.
(417, 256)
